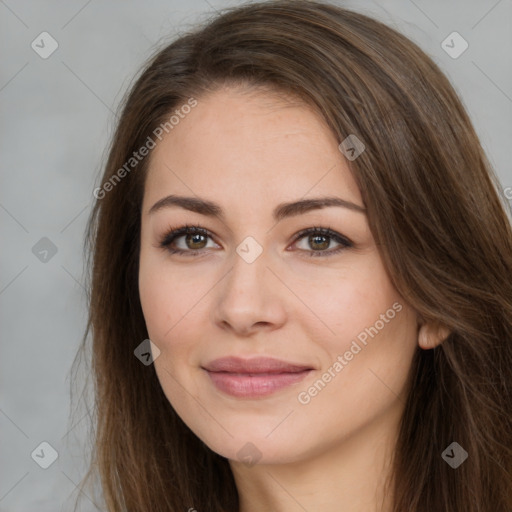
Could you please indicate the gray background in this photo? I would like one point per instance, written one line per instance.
(57, 115)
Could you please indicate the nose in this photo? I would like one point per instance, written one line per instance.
(250, 298)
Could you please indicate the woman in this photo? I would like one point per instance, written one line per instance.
(301, 292)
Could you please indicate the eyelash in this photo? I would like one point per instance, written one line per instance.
(174, 233)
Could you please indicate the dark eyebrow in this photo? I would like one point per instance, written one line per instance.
(210, 209)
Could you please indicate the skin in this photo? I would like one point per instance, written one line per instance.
(248, 152)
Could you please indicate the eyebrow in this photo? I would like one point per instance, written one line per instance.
(283, 210)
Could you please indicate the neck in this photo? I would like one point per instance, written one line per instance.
(350, 476)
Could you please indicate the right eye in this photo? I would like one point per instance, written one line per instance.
(194, 240)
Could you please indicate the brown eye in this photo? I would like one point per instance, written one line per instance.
(195, 241)
(186, 240)
(318, 241)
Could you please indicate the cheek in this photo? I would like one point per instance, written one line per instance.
(158, 295)
(173, 305)
(344, 303)
(156, 304)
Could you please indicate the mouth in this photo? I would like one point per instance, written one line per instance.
(254, 378)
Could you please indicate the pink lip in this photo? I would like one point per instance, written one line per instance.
(252, 378)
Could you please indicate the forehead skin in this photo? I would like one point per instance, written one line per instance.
(261, 146)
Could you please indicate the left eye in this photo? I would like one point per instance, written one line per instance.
(320, 239)
(196, 239)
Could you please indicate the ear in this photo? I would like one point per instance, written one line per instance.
(432, 334)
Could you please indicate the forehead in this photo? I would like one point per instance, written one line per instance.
(250, 145)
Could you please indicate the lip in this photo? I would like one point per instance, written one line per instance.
(255, 377)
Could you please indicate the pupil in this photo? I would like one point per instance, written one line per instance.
(325, 245)
(194, 239)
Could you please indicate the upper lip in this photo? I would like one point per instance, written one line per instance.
(254, 365)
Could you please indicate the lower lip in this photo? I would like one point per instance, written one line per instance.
(256, 385)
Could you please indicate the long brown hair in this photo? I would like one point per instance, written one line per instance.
(434, 210)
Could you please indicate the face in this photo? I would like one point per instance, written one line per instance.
(297, 295)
